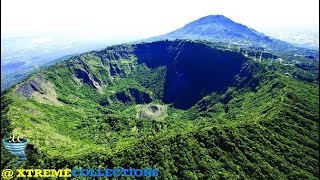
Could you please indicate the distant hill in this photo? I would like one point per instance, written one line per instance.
(219, 28)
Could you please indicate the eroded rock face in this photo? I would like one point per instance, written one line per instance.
(40, 89)
(133, 95)
(31, 86)
(86, 78)
(121, 69)
(115, 53)
(140, 97)
(114, 70)
(83, 75)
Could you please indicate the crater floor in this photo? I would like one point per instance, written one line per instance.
(151, 111)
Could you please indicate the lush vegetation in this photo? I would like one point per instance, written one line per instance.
(229, 115)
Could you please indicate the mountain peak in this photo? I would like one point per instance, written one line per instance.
(211, 19)
(214, 17)
(218, 28)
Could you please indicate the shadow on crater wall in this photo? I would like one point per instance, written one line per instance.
(193, 69)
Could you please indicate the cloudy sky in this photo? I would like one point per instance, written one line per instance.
(134, 19)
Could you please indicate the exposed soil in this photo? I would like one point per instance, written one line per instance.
(151, 111)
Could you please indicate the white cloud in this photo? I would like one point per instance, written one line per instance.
(113, 19)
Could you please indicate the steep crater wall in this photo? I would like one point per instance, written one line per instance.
(193, 69)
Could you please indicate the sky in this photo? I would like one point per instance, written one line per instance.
(136, 19)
